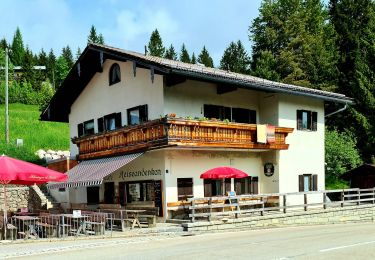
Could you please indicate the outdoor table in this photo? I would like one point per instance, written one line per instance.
(29, 222)
(132, 215)
(77, 222)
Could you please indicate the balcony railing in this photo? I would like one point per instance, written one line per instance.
(167, 132)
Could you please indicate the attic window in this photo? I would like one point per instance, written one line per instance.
(114, 74)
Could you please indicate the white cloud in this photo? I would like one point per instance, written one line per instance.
(134, 26)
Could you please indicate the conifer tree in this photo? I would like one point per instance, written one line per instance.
(184, 54)
(51, 66)
(235, 58)
(170, 53)
(193, 59)
(354, 23)
(94, 37)
(155, 45)
(68, 56)
(296, 41)
(18, 50)
(78, 53)
(205, 58)
(3, 43)
(62, 70)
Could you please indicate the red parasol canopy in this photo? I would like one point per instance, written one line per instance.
(13, 171)
(223, 173)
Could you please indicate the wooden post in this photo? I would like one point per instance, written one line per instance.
(262, 211)
(305, 201)
(324, 200)
(193, 210)
(342, 198)
(284, 203)
(210, 208)
(359, 197)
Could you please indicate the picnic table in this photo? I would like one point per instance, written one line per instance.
(27, 226)
(132, 215)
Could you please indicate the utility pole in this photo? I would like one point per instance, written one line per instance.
(6, 98)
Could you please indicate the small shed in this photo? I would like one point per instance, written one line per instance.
(362, 177)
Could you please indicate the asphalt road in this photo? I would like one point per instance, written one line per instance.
(344, 241)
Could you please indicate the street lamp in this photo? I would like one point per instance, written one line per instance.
(6, 97)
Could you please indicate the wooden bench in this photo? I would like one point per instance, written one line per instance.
(149, 216)
(11, 231)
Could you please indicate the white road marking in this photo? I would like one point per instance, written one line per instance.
(346, 246)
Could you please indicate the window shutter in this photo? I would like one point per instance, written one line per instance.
(253, 117)
(315, 182)
(118, 122)
(80, 129)
(100, 124)
(314, 121)
(143, 114)
(300, 183)
(299, 119)
(207, 188)
(254, 184)
(227, 186)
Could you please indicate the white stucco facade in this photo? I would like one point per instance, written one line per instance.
(304, 156)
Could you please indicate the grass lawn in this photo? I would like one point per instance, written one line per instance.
(24, 123)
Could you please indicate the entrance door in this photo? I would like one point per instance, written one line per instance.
(109, 192)
(92, 195)
(122, 193)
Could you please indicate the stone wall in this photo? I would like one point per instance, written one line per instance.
(21, 197)
(17, 197)
(348, 214)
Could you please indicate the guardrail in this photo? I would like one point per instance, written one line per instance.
(235, 206)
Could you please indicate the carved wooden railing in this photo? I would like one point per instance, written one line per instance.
(176, 132)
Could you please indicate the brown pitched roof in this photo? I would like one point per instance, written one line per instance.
(92, 58)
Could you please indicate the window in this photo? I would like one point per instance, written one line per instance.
(307, 120)
(242, 115)
(140, 191)
(114, 74)
(137, 115)
(218, 112)
(109, 122)
(239, 115)
(86, 128)
(215, 187)
(308, 182)
(184, 188)
(92, 195)
(247, 185)
(109, 192)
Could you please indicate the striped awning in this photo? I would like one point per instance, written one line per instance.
(92, 172)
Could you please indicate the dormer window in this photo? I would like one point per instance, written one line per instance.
(114, 74)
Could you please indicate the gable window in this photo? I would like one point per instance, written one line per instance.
(308, 182)
(307, 120)
(114, 74)
(137, 115)
(109, 122)
(238, 115)
(86, 128)
(184, 188)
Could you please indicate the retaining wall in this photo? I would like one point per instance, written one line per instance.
(347, 214)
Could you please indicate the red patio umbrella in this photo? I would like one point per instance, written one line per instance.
(223, 172)
(13, 171)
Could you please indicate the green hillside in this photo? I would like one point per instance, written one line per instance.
(24, 123)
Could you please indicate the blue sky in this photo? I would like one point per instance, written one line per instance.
(128, 24)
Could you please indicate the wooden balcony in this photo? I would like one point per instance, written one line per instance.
(169, 132)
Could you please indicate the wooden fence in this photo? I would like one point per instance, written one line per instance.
(243, 205)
